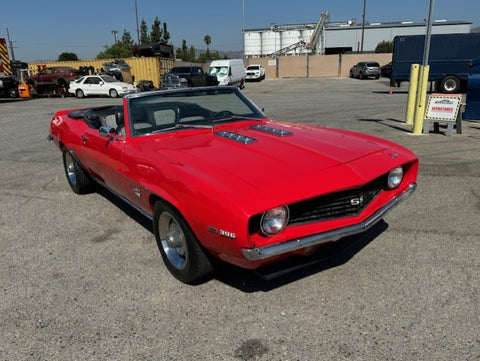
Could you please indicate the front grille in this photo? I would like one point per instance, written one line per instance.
(342, 204)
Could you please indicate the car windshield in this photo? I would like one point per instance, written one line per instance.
(253, 67)
(109, 79)
(373, 65)
(218, 70)
(165, 111)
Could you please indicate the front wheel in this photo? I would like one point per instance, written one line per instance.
(181, 252)
(77, 178)
(13, 93)
(113, 93)
(79, 93)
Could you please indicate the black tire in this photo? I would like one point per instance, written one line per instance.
(62, 87)
(182, 254)
(79, 93)
(450, 84)
(360, 75)
(351, 74)
(13, 92)
(77, 178)
(113, 93)
(377, 76)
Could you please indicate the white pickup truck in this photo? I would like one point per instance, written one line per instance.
(255, 72)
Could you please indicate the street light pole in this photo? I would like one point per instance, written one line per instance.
(428, 34)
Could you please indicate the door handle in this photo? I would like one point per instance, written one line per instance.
(84, 138)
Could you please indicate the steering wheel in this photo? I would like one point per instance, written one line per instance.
(221, 114)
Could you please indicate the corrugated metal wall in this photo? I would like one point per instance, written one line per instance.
(141, 68)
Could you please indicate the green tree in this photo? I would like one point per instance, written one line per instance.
(118, 50)
(191, 54)
(144, 37)
(185, 53)
(127, 38)
(166, 34)
(67, 57)
(156, 33)
(204, 57)
(384, 47)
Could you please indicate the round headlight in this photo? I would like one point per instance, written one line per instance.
(274, 221)
(395, 177)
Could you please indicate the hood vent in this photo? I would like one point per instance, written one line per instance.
(236, 137)
(275, 131)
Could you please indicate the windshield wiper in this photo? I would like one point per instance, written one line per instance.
(183, 126)
(229, 118)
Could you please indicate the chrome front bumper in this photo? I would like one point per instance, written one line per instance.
(261, 253)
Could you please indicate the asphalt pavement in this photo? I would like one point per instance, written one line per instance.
(81, 277)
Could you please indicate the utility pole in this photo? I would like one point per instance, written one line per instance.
(138, 29)
(243, 27)
(363, 23)
(10, 45)
(115, 36)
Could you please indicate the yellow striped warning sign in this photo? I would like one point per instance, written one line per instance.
(4, 60)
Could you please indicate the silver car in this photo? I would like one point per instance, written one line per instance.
(365, 69)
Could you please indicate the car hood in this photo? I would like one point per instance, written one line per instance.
(246, 161)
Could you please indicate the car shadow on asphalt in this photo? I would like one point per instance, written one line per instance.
(280, 273)
(138, 217)
(295, 268)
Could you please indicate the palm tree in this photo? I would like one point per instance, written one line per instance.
(207, 39)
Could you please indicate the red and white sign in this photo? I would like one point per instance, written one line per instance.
(443, 107)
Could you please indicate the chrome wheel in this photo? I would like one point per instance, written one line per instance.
(70, 169)
(172, 240)
(77, 177)
(182, 254)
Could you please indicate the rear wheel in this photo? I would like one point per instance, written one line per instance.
(181, 252)
(449, 85)
(77, 178)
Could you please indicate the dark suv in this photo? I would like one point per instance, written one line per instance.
(365, 69)
(187, 76)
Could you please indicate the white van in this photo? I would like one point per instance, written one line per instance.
(228, 72)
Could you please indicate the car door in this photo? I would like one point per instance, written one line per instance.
(96, 85)
(196, 75)
(104, 157)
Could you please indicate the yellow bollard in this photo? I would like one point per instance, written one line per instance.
(412, 93)
(421, 99)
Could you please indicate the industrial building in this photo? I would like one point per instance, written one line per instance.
(336, 37)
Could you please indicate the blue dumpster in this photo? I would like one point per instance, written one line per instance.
(472, 108)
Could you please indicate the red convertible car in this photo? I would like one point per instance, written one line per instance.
(221, 180)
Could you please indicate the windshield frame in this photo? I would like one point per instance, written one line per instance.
(164, 111)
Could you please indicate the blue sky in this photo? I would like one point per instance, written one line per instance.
(41, 30)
